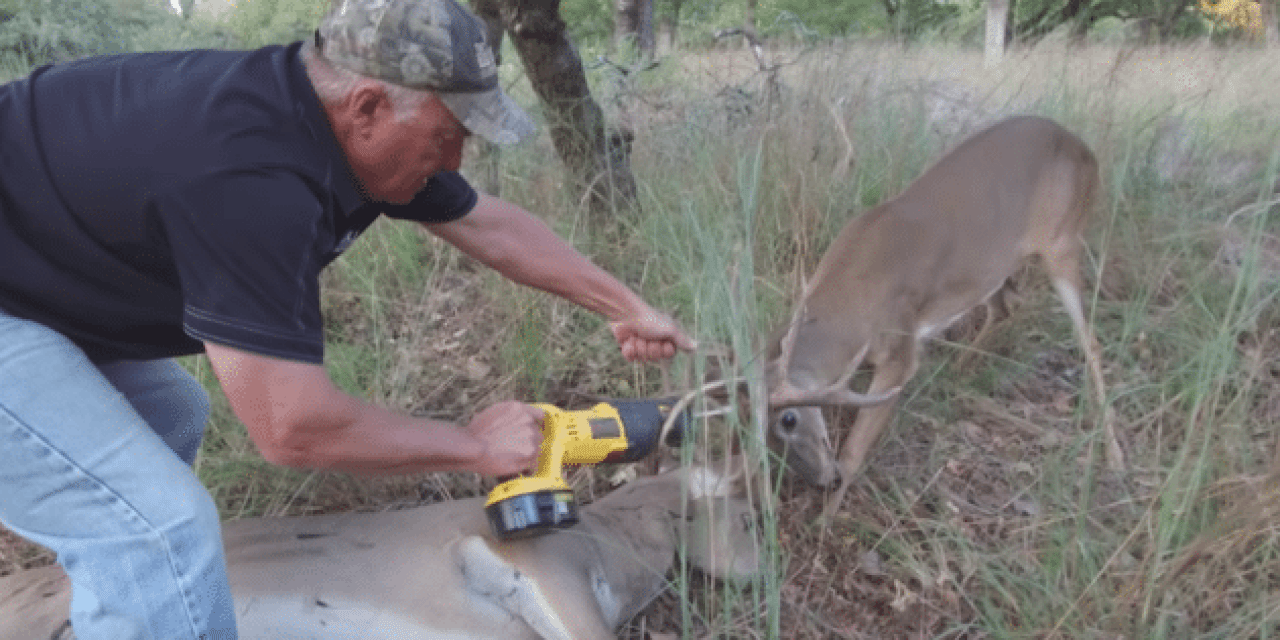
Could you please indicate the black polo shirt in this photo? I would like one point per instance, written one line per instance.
(151, 202)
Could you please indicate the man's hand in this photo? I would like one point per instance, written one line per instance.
(511, 433)
(650, 336)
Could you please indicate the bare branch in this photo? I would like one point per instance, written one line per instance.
(842, 167)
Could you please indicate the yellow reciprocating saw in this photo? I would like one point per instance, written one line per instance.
(611, 431)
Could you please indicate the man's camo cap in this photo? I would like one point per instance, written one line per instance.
(429, 45)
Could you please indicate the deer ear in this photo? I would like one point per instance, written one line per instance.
(722, 538)
(727, 479)
(705, 482)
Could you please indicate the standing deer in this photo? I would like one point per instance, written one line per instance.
(908, 268)
(435, 572)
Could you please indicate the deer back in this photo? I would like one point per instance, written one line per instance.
(954, 235)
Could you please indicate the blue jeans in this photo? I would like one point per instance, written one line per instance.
(95, 464)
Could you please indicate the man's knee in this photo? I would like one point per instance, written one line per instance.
(193, 406)
(171, 401)
(192, 395)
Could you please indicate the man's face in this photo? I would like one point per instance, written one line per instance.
(396, 157)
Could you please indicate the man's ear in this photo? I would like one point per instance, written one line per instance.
(365, 106)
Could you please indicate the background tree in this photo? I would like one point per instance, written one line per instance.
(598, 156)
(669, 28)
(633, 26)
(1243, 17)
(1268, 11)
(996, 32)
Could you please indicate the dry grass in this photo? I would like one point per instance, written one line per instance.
(1221, 80)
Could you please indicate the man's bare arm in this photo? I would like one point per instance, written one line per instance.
(298, 418)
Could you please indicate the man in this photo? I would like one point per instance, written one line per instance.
(156, 205)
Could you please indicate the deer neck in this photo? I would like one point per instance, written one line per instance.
(623, 545)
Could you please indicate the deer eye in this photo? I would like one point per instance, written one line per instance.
(788, 421)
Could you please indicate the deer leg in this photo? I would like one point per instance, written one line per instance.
(890, 372)
(1064, 271)
(995, 307)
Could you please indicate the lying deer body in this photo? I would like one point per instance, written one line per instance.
(907, 269)
(435, 572)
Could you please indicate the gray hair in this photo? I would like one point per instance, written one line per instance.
(333, 84)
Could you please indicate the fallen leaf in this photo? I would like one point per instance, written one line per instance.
(476, 369)
(870, 563)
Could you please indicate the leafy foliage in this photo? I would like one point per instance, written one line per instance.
(258, 23)
(910, 19)
(1161, 19)
(35, 32)
(588, 20)
(1243, 17)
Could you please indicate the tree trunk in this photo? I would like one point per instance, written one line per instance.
(626, 23)
(891, 12)
(997, 26)
(633, 24)
(1011, 15)
(490, 11)
(646, 38)
(1271, 33)
(666, 36)
(187, 7)
(749, 21)
(598, 157)
(488, 154)
(669, 30)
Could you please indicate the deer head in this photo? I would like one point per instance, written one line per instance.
(812, 364)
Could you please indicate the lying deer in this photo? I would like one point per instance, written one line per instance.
(906, 270)
(435, 572)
